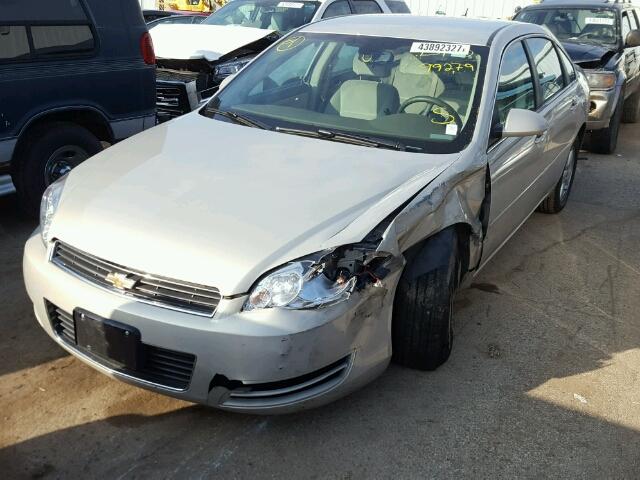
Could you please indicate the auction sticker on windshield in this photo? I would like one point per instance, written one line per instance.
(433, 47)
(598, 21)
(291, 5)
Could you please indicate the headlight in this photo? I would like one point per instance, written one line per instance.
(49, 205)
(299, 285)
(232, 67)
(601, 80)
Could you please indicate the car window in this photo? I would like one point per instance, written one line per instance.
(626, 26)
(633, 20)
(366, 6)
(398, 89)
(398, 6)
(547, 65)
(51, 10)
(281, 16)
(568, 66)
(515, 83)
(292, 70)
(341, 7)
(62, 39)
(594, 26)
(344, 59)
(14, 43)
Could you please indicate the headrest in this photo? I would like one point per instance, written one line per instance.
(373, 65)
(366, 99)
(409, 64)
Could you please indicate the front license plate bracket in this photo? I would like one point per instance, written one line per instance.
(112, 341)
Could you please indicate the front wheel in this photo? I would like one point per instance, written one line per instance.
(558, 198)
(50, 152)
(422, 329)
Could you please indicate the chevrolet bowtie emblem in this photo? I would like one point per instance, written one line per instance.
(120, 281)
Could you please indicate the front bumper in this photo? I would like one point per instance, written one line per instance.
(269, 361)
(602, 105)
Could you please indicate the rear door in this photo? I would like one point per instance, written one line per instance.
(559, 104)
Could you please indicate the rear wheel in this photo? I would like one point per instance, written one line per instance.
(50, 151)
(559, 197)
(422, 330)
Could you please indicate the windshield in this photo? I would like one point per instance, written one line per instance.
(419, 93)
(581, 25)
(264, 14)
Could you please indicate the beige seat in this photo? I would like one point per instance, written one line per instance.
(365, 98)
(412, 79)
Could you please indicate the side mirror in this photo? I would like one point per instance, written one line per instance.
(633, 39)
(226, 81)
(524, 123)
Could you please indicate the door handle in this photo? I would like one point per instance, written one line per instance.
(574, 104)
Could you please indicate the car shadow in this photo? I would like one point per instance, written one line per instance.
(23, 344)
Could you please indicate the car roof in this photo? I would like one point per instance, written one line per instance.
(579, 3)
(441, 29)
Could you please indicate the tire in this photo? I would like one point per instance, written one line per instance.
(605, 141)
(49, 151)
(631, 112)
(422, 328)
(559, 197)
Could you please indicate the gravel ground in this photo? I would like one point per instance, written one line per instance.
(543, 380)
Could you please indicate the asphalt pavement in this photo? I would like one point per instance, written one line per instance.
(543, 381)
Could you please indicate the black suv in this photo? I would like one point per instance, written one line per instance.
(603, 38)
(73, 74)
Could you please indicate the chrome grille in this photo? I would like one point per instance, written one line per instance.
(160, 291)
(160, 366)
(171, 101)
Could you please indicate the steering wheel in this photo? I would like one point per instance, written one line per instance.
(433, 101)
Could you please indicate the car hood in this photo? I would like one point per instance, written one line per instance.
(582, 53)
(192, 42)
(219, 204)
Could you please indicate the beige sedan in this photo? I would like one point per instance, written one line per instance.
(276, 249)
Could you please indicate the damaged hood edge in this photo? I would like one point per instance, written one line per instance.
(357, 230)
(201, 41)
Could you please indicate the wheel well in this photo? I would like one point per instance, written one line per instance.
(439, 254)
(89, 119)
(581, 133)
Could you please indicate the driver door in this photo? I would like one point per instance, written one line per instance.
(514, 163)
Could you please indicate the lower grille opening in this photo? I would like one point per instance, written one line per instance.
(158, 365)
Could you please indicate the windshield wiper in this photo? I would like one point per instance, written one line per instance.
(236, 117)
(347, 138)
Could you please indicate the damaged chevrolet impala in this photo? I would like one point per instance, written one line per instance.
(333, 197)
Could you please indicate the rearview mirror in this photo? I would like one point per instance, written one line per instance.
(226, 81)
(524, 123)
(633, 39)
